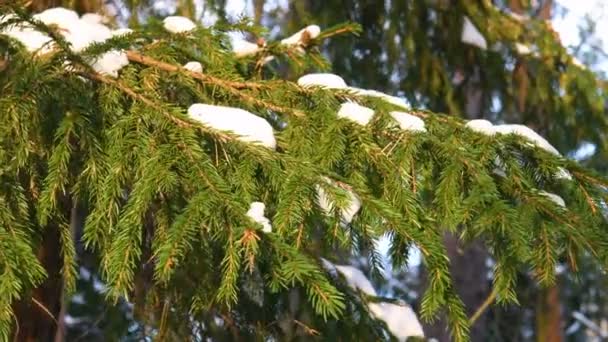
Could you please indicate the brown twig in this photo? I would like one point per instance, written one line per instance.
(137, 57)
(138, 97)
(413, 176)
(482, 308)
(334, 33)
(163, 321)
(299, 238)
(17, 328)
(590, 179)
(308, 330)
(233, 87)
(44, 308)
(589, 200)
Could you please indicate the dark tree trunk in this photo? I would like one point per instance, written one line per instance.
(37, 315)
(468, 268)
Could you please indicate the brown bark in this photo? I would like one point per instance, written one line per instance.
(545, 10)
(81, 6)
(258, 11)
(37, 315)
(548, 310)
(186, 8)
(468, 268)
(549, 316)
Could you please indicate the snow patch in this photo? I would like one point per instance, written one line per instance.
(397, 101)
(300, 37)
(518, 17)
(121, 32)
(400, 319)
(481, 126)
(354, 277)
(242, 48)
(82, 34)
(528, 133)
(486, 127)
(498, 168)
(408, 122)
(62, 17)
(554, 198)
(563, 174)
(6, 17)
(522, 49)
(357, 113)
(194, 66)
(110, 63)
(94, 18)
(471, 35)
(256, 212)
(34, 41)
(79, 32)
(249, 127)
(178, 24)
(324, 80)
(327, 205)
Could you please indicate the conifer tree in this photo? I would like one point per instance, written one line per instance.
(212, 190)
(516, 73)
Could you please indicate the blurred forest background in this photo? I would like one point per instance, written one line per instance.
(414, 49)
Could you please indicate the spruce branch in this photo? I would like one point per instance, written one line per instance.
(137, 57)
(232, 87)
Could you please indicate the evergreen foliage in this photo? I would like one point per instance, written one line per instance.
(167, 197)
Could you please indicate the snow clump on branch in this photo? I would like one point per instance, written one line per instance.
(355, 112)
(242, 48)
(79, 32)
(528, 133)
(193, 66)
(471, 35)
(347, 214)
(487, 128)
(256, 212)
(249, 127)
(333, 81)
(354, 277)
(325, 80)
(178, 24)
(58, 16)
(408, 122)
(121, 32)
(301, 37)
(481, 126)
(400, 319)
(94, 18)
(388, 98)
(554, 198)
(110, 63)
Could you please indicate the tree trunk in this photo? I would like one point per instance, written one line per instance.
(80, 6)
(258, 11)
(548, 309)
(468, 268)
(36, 316)
(549, 316)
